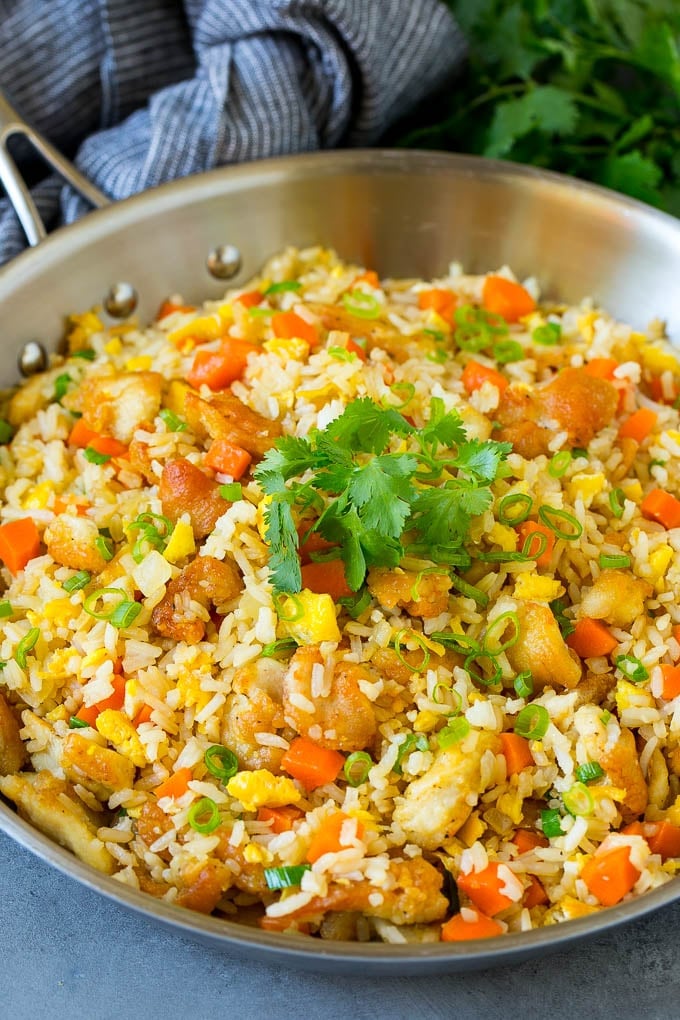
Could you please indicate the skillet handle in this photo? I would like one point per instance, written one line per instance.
(11, 124)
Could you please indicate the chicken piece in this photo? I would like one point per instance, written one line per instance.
(115, 404)
(227, 417)
(343, 718)
(411, 895)
(205, 889)
(31, 397)
(205, 580)
(151, 824)
(184, 488)
(425, 595)
(438, 803)
(12, 751)
(618, 758)
(657, 780)
(51, 805)
(541, 649)
(148, 885)
(387, 663)
(99, 769)
(594, 688)
(374, 331)
(255, 706)
(70, 540)
(617, 597)
(248, 877)
(579, 403)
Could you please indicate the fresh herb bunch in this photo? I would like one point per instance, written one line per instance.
(369, 478)
(586, 87)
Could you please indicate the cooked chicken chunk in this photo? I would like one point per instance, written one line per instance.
(116, 404)
(12, 750)
(205, 580)
(227, 417)
(437, 804)
(619, 759)
(425, 596)
(617, 597)
(184, 488)
(98, 768)
(255, 706)
(50, 804)
(541, 649)
(70, 540)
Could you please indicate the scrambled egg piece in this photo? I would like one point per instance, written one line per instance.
(181, 543)
(586, 487)
(120, 732)
(534, 586)
(255, 789)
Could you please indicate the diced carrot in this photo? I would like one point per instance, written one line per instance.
(288, 325)
(484, 889)
(88, 715)
(443, 302)
(227, 458)
(506, 298)
(527, 528)
(535, 895)
(168, 307)
(175, 785)
(639, 425)
(460, 930)
(354, 348)
(144, 715)
(314, 543)
(671, 681)
(327, 579)
(116, 699)
(660, 506)
(515, 750)
(370, 277)
(19, 543)
(82, 437)
(591, 638)
(310, 764)
(475, 375)
(218, 369)
(62, 506)
(675, 631)
(250, 298)
(662, 837)
(326, 839)
(610, 875)
(656, 391)
(281, 818)
(527, 839)
(601, 368)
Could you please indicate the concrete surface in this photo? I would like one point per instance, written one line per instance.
(66, 952)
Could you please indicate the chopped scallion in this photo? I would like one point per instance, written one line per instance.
(551, 823)
(26, 645)
(282, 287)
(407, 392)
(233, 491)
(578, 800)
(455, 730)
(357, 766)
(551, 516)
(522, 503)
(61, 385)
(125, 614)
(172, 421)
(6, 432)
(492, 643)
(619, 561)
(480, 674)
(470, 591)
(283, 647)
(5, 609)
(548, 334)
(77, 581)
(357, 604)
(221, 762)
(204, 816)
(532, 722)
(632, 668)
(104, 546)
(588, 771)
(524, 684)
(617, 498)
(285, 877)
(363, 305)
(90, 603)
(401, 636)
(413, 742)
(559, 464)
(75, 723)
(87, 354)
(507, 351)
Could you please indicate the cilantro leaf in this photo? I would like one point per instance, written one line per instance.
(442, 515)
(380, 491)
(545, 108)
(482, 459)
(366, 427)
(633, 173)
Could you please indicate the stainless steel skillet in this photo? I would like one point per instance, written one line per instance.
(404, 213)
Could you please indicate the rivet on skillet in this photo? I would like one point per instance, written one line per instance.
(121, 300)
(32, 358)
(224, 261)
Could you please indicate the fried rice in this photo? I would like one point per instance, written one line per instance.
(450, 740)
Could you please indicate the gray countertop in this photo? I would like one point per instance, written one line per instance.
(66, 952)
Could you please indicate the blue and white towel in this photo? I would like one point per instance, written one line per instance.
(144, 91)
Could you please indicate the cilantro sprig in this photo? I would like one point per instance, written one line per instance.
(588, 87)
(377, 485)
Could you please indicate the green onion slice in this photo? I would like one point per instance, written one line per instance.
(535, 544)
(559, 464)
(173, 422)
(413, 742)
(548, 334)
(90, 603)
(342, 354)
(282, 647)
(87, 354)
(77, 581)
(357, 604)
(455, 730)
(75, 723)
(578, 800)
(632, 668)
(524, 684)
(479, 675)
(6, 431)
(507, 351)
(94, 456)
(551, 823)
(284, 878)
(26, 644)
(357, 766)
(5, 609)
(104, 546)
(125, 614)
(363, 305)
(551, 516)
(618, 561)
(446, 692)
(407, 392)
(497, 629)
(232, 491)
(459, 643)
(204, 816)
(221, 762)
(470, 591)
(399, 638)
(605, 717)
(588, 771)
(296, 612)
(282, 287)
(532, 722)
(522, 503)
(617, 498)
(61, 385)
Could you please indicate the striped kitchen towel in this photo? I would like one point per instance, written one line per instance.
(140, 92)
